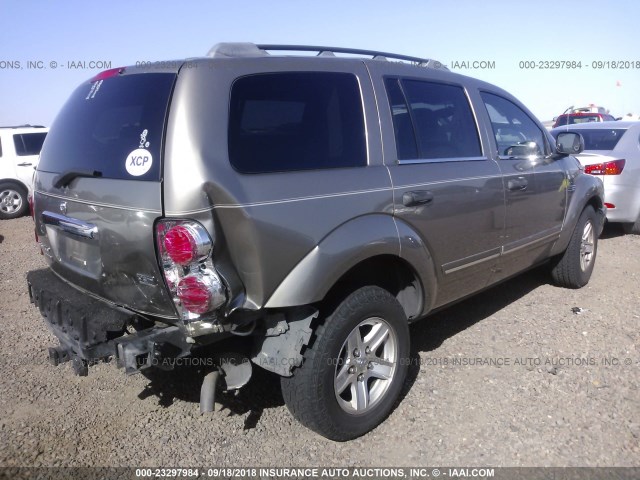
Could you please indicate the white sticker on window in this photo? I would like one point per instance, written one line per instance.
(143, 139)
(139, 162)
(95, 86)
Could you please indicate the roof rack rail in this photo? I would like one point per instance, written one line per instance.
(353, 51)
(26, 125)
(251, 50)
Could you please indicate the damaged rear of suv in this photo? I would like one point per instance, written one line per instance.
(308, 207)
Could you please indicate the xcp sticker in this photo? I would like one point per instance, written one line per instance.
(139, 162)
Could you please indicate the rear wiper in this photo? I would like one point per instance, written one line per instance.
(65, 178)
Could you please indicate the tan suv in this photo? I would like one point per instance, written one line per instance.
(307, 207)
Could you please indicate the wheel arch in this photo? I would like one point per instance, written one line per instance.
(368, 250)
(589, 192)
(15, 181)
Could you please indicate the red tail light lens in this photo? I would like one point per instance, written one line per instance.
(185, 244)
(614, 167)
(609, 205)
(180, 245)
(194, 295)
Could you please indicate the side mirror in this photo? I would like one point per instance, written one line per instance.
(569, 143)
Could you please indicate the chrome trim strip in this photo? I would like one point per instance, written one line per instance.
(441, 160)
(555, 233)
(483, 147)
(530, 158)
(70, 225)
(470, 264)
(98, 204)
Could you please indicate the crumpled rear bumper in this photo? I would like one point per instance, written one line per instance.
(90, 330)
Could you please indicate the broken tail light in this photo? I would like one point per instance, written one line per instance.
(185, 255)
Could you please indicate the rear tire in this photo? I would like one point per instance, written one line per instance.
(13, 201)
(353, 372)
(574, 267)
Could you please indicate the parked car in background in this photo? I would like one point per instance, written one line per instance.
(308, 206)
(612, 152)
(19, 150)
(582, 117)
(591, 108)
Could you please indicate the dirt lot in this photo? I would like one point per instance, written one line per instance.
(511, 377)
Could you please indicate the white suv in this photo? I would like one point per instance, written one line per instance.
(19, 150)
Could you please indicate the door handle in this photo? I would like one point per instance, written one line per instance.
(517, 184)
(417, 197)
(25, 164)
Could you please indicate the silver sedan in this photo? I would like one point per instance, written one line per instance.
(612, 151)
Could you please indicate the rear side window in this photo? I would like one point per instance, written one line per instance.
(28, 143)
(296, 121)
(600, 138)
(432, 120)
(113, 126)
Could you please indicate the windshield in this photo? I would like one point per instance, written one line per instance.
(113, 126)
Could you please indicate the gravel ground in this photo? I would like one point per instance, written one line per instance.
(552, 402)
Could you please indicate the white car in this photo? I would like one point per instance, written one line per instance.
(612, 152)
(19, 151)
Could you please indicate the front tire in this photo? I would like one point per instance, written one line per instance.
(13, 201)
(354, 371)
(574, 267)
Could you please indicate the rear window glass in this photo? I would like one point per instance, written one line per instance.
(573, 119)
(296, 121)
(113, 126)
(29, 143)
(600, 138)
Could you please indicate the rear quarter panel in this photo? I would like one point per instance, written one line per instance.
(264, 224)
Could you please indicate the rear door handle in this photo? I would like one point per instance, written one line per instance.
(417, 197)
(517, 184)
(25, 164)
